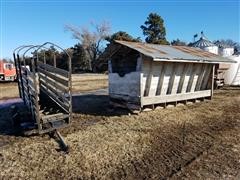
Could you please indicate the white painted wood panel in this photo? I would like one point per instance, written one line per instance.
(178, 74)
(175, 97)
(196, 75)
(129, 84)
(156, 70)
(187, 77)
(167, 75)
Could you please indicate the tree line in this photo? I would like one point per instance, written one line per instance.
(88, 52)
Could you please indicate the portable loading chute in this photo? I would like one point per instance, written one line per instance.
(45, 85)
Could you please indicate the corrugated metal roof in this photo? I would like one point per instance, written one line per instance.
(175, 53)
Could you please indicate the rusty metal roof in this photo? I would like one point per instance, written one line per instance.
(175, 53)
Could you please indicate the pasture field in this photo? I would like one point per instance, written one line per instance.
(195, 141)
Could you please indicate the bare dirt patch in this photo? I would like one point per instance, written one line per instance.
(196, 141)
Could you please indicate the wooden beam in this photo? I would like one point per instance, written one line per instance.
(212, 80)
(206, 77)
(190, 82)
(201, 76)
(64, 89)
(52, 69)
(175, 97)
(182, 78)
(172, 78)
(149, 80)
(54, 77)
(161, 78)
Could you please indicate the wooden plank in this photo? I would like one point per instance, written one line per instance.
(182, 78)
(196, 76)
(212, 80)
(54, 77)
(161, 77)
(149, 80)
(192, 74)
(175, 97)
(156, 68)
(54, 60)
(53, 83)
(166, 79)
(55, 99)
(206, 77)
(54, 91)
(200, 77)
(52, 69)
(172, 78)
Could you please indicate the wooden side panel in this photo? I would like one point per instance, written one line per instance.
(144, 75)
(156, 69)
(206, 77)
(195, 76)
(167, 76)
(175, 97)
(179, 70)
(187, 78)
(128, 85)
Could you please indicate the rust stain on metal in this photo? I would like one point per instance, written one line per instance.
(195, 52)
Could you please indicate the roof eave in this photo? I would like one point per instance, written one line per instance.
(193, 60)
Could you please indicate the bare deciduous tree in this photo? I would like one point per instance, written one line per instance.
(91, 40)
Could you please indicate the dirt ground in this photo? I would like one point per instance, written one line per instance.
(196, 141)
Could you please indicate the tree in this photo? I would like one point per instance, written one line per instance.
(178, 42)
(91, 40)
(123, 36)
(154, 29)
(79, 59)
(230, 43)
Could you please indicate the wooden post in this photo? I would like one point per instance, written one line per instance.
(54, 60)
(161, 77)
(172, 78)
(212, 87)
(182, 78)
(149, 80)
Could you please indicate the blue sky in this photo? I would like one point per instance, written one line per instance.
(35, 22)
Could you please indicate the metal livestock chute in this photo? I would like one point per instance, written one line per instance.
(44, 84)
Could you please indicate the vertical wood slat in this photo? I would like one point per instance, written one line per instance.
(192, 74)
(54, 60)
(206, 77)
(156, 68)
(160, 80)
(200, 77)
(182, 78)
(172, 78)
(148, 81)
(196, 76)
(212, 80)
(166, 78)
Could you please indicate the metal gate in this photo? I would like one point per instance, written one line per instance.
(44, 87)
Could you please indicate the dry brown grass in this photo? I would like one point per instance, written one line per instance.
(197, 141)
(80, 83)
(88, 82)
(8, 90)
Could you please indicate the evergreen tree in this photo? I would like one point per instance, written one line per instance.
(122, 36)
(154, 29)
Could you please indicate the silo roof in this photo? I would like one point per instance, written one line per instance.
(222, 45)
(203, 42)
(175, 53)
